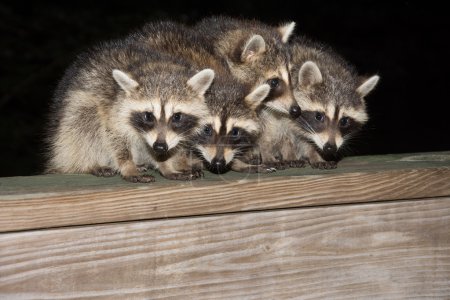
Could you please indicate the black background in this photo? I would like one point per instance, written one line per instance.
(406, 43)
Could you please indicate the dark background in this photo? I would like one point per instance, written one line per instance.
(405, 43)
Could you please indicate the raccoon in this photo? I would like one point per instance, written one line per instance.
(255, 53)
(234, 126)
(331, 97)
(232, 129)
(122, 108)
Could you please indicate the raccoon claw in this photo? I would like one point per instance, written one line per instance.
(324, 165)
(142, 168)
(104, 172)
(187, 175)
(297, 163)
(139, 178)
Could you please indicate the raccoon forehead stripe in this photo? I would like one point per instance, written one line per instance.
(216, 124)
(330, 111)
(157, 110)
(358, 115)
(284, 74)
(248, 125)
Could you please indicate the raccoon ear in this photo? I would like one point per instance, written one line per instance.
(201, 81)
(253, 48)
(367, 86)
(309, 74)
(126, 83)
(286, 31)
(257, 96)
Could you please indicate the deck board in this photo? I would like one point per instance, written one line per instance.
(65, 200)
(392, 250)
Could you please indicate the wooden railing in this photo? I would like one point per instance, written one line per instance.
(376, 227)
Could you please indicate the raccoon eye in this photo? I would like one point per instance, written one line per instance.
(235, 132)
(176, 117)
(207, 130)
(344, 122)
(148, 116)
(319, 117)
(274, 83)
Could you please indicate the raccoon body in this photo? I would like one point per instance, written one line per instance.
(331, 97)
(121, 108)
(233, 127)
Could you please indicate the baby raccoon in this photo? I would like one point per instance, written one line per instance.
(255, 53)
(331, 97)
(232, 129)
(120, 107)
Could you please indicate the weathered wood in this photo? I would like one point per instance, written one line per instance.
(64, 200)
(395, 250)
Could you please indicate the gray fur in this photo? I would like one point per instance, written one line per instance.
(90, 129)
(335, 88)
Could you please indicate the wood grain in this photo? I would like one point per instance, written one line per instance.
(138, 202)
(395, 250)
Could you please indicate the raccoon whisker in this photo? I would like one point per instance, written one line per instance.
(308, 127)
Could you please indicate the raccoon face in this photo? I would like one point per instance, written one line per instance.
(162, 132)
(259, 62)
(231, 131)
(329, 128)
(331, 112)
(222, 140)
(164, 121)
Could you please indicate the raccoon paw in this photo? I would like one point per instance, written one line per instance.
(186, 175)
(103, 172)
(324, 165)
(279, 165)
(198, 173)
(139, 178)
(297, 163)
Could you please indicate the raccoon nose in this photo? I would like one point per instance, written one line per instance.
(160, 147)
(218, 166)
(295, 111)
(329, 148)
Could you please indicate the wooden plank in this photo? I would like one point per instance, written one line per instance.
(90, 200)
(395, 250)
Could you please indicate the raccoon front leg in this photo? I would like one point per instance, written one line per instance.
(127, 168)
(240, 166)
(289, 157)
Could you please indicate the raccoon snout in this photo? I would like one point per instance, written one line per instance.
(218, 166)
(295, 111)
(160, 147)
(330, 149)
